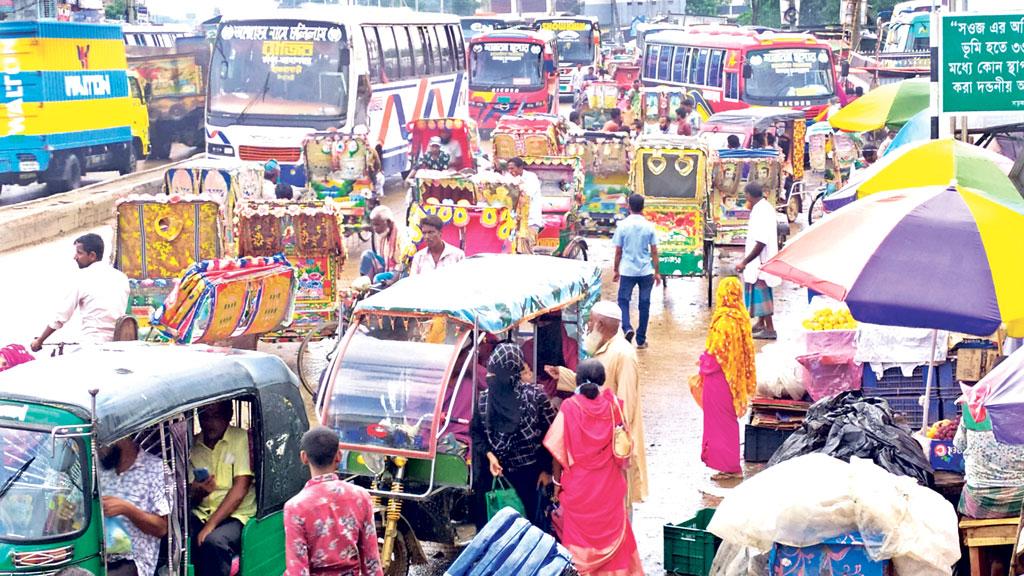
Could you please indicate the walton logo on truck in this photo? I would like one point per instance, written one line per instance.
(14, 92)
(86, 85)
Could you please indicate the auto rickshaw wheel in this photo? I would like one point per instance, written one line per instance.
(399, 565)
(315, 353)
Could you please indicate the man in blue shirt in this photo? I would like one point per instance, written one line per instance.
(636, 264)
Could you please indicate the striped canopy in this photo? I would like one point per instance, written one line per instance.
(889, 106)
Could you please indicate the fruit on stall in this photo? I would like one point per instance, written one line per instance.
(943, 429)
(829, 319)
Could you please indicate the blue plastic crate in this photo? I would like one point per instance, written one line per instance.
(893, 382)
(911, 411)
(841, 555)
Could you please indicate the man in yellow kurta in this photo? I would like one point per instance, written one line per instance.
(606, 343)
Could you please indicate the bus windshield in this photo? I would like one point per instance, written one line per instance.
(279, 68)
(42, 486)
(575, 41)
(472, 27)
(506, 65)
(783, 73)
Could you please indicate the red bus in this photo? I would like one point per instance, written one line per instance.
(511, 72)
(727, 67)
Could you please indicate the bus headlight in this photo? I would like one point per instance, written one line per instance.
(220, 150)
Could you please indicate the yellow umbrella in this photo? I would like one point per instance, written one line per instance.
(890, 105)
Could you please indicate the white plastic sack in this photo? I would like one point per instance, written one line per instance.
(779, 375)
(803, 501)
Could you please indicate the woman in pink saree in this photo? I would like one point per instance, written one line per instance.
(590, 482)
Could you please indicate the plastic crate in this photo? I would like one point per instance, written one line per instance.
(894, 383)
(760, 443)
(912, 412)
(689, 547)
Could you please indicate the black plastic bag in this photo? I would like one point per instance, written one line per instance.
(848, 425)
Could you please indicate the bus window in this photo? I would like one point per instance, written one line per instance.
(663, 62)
(435, 48)
(715, 68)
(651, 61)
(460, 47)
(700, 69)
(678, 62)
(419, 56)
(445, 46)
(389, 54)
(732, 85)
(372, 52)
(404, 55)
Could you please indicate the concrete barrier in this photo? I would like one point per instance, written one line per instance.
(43, 219)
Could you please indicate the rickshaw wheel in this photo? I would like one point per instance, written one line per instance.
(814, 212)
(315, 353)
(793, 209)
(399, 565)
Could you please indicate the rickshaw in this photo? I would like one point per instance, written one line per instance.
(659, 101)
(789, 127)
(343, 168)
(529, 135)
(562, 181)
(730, 171)
(157, 238)
(229, 187)
(606, 161)
(309, 234)
(600, 97)
(464, 133)
(401, 391)
(673, 173)
(483, 209)
(51, 514)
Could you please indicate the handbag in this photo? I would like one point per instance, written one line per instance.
(622, 444)
(503, 495)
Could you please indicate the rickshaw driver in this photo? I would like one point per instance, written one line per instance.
(132, 486)
(437, 253)
(529, 183)
(451, 147)
(435, 158)
(223, 497)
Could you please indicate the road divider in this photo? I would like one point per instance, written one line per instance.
(35, 221)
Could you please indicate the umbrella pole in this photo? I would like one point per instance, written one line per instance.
(928, 382)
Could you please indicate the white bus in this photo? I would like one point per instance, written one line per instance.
(150, 39)
(276, 78)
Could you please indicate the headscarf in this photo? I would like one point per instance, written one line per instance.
(731, 343)
(504, 411)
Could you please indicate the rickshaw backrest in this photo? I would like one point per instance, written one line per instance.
(453, 190)
(161, 236)
(336, 157)
(270, 227)
(228, 187)
(463, 133)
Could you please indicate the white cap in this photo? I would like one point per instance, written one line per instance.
(608, 309)
(435, 140)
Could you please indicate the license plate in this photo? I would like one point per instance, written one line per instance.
(548, 242)
(28, 166)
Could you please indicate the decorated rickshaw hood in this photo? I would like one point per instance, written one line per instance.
(495, 292)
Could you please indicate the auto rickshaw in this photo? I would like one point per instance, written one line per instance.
(730, 171)
(309, 234)
(600, 97)
(464, 135)
(659, 101)
(157, 238)
(51, 513)
(789, 127)
(562, 189)
(606, 161)
(401, 391)
(529, 135)
(673, 173)
(483, 209)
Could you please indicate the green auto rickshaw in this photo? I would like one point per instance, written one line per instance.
(56, 413)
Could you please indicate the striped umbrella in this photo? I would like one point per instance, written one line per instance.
(940, 257)
(889, 106)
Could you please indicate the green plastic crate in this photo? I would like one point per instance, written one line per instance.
(689, 547)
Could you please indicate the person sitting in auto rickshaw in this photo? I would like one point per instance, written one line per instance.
(664, 125)
(391, 251)
(614, 123)
(732, 142)
(435, 158)
(221, 491)
(554, 348)
(451, 147)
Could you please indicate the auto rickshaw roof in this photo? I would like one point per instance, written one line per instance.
(494, 291)
(140, 383)
(527, 122)
(669, 141)
(760, 117)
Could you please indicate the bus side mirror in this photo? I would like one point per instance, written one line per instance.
(345, 57)
(844, 68)
(748, 71)
(148, 91)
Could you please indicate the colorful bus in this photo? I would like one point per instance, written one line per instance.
(512, 72)
(727, 67)
(579, 45)
(276, 79)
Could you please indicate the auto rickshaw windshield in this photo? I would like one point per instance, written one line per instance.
(42, 486)
(386, 390)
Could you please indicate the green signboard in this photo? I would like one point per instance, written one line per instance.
(981, 63)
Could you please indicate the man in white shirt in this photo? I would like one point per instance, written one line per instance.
(452, 147)
(762, 243)
(437, 253)
(99, 293)
(529, 185)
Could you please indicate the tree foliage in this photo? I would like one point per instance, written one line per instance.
(703, 7)
(114, 9)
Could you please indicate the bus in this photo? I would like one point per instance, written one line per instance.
(473, 26)
(510, 72)
(153, 39)
(726, 67)
(579, 45)
(275, 78)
